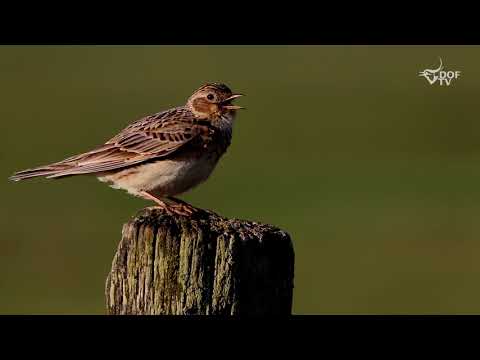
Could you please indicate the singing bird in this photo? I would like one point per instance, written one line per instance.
(162, 155)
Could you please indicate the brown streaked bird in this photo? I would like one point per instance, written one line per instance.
(161, 155)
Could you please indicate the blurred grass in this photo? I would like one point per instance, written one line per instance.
(372, 171)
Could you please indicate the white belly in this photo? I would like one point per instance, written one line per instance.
(162, 178)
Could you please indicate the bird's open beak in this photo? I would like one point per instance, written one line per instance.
(232, 107)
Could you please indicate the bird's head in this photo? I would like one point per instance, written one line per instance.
(213, 101)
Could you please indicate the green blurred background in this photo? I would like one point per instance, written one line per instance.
(374, 172)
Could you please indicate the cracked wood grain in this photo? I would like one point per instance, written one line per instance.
(205, 264)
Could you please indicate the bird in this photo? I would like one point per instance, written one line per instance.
(159, 156)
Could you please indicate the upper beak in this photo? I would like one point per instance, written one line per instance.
(234, 96)
(233, 107)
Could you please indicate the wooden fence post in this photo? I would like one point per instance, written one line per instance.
(205, 264)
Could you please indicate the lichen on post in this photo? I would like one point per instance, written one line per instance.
(204, 264)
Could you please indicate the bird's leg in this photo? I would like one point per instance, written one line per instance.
(169, 209)
(161, 204)
(182, 205)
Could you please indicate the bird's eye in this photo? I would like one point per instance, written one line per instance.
(210, 97)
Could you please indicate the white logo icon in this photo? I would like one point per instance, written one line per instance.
(443, 77)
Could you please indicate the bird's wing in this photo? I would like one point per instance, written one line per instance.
(154, 136)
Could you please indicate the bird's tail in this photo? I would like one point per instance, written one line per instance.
(47, 171)
(74, 165)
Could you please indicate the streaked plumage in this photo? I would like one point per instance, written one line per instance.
(160, 155)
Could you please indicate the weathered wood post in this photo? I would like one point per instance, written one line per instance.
(205, 264)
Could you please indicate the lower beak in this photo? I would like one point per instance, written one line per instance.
(232, 107)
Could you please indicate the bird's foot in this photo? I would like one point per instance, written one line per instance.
(181, 207)
(174, 207)
(172, 210)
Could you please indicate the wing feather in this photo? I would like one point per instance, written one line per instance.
(154, 136)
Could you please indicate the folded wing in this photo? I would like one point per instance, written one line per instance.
(155, 136)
